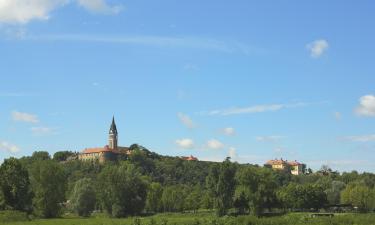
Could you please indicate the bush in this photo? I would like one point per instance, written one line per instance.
(12, 216)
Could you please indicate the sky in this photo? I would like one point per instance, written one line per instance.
(253, 80)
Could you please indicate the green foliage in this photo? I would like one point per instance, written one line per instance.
(305, 196)
(334, 193)
(193, 199)
(154, 198)
(359, 195)
(255, 189)
(15, 186)
(48, 181)
(173, 198)
(40, 155)
(62, 155)
(221, 184)
(83, 198)
(123, 190)
(7, 217)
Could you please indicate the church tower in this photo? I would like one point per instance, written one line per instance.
(113, 135)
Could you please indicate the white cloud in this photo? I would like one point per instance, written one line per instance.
(185, 143)
(100, 6)
(229, 131)
(8, 147)
(214, 144)
(268, 138)
(186, 120)
(41, 131)
(24, 117)
(362, 138)
(232, 153)
(254, 109)
(366, 106)
(317, 48)
(24, 11)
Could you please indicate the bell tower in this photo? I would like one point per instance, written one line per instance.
(112, 135)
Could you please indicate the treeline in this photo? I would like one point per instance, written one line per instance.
(145, 182)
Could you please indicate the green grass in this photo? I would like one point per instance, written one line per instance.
(208, 219)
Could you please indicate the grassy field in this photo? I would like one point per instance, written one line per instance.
(209, 219)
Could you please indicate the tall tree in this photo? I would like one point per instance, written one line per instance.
(49, 184)
(123, 190)
(255, 189)
(83, 198)
(15, 185)
(221, 184)
(154, 196)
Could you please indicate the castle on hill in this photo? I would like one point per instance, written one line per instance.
(109, 152)
(112, 151)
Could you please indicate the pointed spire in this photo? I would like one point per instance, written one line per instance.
(113, 129)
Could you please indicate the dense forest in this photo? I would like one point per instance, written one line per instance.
(147, 183)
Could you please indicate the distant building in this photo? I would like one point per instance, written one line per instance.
(109, 152)
(295, 167)
(189, 158)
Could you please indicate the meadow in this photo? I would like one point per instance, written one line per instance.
(201, 219)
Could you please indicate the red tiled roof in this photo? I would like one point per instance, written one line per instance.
(281, 161)
(275, 162)
(190, 158)
(295, 163)
(98, 150)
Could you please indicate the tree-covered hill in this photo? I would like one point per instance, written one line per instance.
(145, 182)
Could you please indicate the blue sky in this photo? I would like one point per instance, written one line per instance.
(254, 80)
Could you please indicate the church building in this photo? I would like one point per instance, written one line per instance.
(109, 152)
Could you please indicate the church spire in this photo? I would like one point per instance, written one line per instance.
(113, 135)
(113, 129)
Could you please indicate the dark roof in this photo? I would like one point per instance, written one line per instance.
(113, 129)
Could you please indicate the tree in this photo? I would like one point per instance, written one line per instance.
(154, 196)
(221, 184)
(305, 196)
(359, 196)
(49, 185)
(123, 190)
(193, 200)
(83, 198)
(334, 193)
(173, 198)
(40, 155)
(62, 155)
(15, 185)
(255, 189)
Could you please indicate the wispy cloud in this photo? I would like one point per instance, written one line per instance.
(24, 117)
(272, 138)
(254, 109)
(317, 48)
(366, 106)
(337, 115)
(214, 144)
(185, 143)
(100, 6)
(229, 131)
(43, 131)
(16, 94)
(154, 41)
(186, 120)
(361, 138)
(8, 147)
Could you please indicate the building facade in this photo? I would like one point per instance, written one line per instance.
(295, 167)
